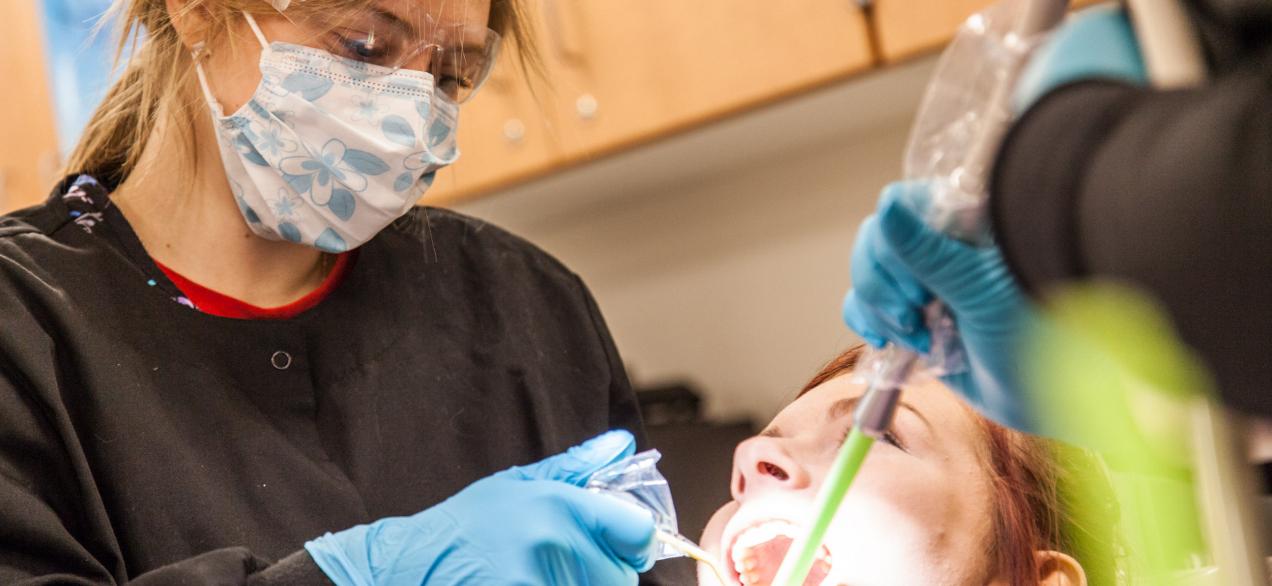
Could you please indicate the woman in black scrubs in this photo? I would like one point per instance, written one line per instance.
(232, 351)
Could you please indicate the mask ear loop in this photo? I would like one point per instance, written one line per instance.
(198, 53)
(256, 29)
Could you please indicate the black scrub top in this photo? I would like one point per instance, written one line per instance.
(142, 440)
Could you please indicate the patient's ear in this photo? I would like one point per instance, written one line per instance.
(1058, 569)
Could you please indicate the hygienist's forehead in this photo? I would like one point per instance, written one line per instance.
(404, 17)
(468, 12)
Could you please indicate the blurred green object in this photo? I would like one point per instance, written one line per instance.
(1113, 377)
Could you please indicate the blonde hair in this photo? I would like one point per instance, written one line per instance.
(159, 80)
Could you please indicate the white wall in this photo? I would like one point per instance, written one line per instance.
(730, 274)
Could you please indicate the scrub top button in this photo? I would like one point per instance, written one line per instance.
(281, 360)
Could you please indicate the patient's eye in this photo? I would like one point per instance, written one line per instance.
(889, 437)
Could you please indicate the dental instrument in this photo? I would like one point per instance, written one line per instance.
(637, 481)
(689, 549)
(944, 149)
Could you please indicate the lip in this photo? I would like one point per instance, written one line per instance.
(726, 554)
(734, 527)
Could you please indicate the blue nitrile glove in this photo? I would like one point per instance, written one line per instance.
(1096, 43)
(899, 264)
(526, 525)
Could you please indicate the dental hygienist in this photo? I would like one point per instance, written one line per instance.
(232, 351)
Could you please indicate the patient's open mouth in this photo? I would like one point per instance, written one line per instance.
(757, 552)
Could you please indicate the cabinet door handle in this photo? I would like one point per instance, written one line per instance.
(586, 106)
(514, 130)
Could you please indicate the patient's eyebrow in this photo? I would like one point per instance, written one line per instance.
(845, 407)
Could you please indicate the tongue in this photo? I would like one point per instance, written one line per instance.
(767, 558)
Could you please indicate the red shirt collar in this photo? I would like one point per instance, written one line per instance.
(219, 304)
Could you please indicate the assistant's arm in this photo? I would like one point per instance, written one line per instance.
(1168, 191)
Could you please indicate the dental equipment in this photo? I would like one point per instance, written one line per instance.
(689, 549)
(637, 481)
(954, 140)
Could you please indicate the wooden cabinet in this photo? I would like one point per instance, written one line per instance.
(659, 66)
(621, 74)
(28, 139)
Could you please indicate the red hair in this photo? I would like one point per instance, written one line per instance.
(1042, 495)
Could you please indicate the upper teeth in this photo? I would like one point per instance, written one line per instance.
(757, 535)
(761, 533)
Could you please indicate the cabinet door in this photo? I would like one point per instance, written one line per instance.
(639, 70)
(28, 140)
(911, 27)
(621, 73)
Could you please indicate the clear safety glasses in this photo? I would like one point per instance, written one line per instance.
(460, 56)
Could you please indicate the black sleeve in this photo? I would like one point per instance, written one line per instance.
(41, 509)
(54, 528)
(237, 565)
(1168, 191)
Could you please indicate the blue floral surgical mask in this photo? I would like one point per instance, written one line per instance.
(329, 151)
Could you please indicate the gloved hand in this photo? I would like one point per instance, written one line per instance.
(899, 265)
(526, 525)
(1098, 42)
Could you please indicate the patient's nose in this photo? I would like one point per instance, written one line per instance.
(762, 464)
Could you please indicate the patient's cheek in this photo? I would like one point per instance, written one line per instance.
(710, 540)
(715, 527)
(894, 535)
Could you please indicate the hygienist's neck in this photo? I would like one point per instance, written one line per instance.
(194, 227)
